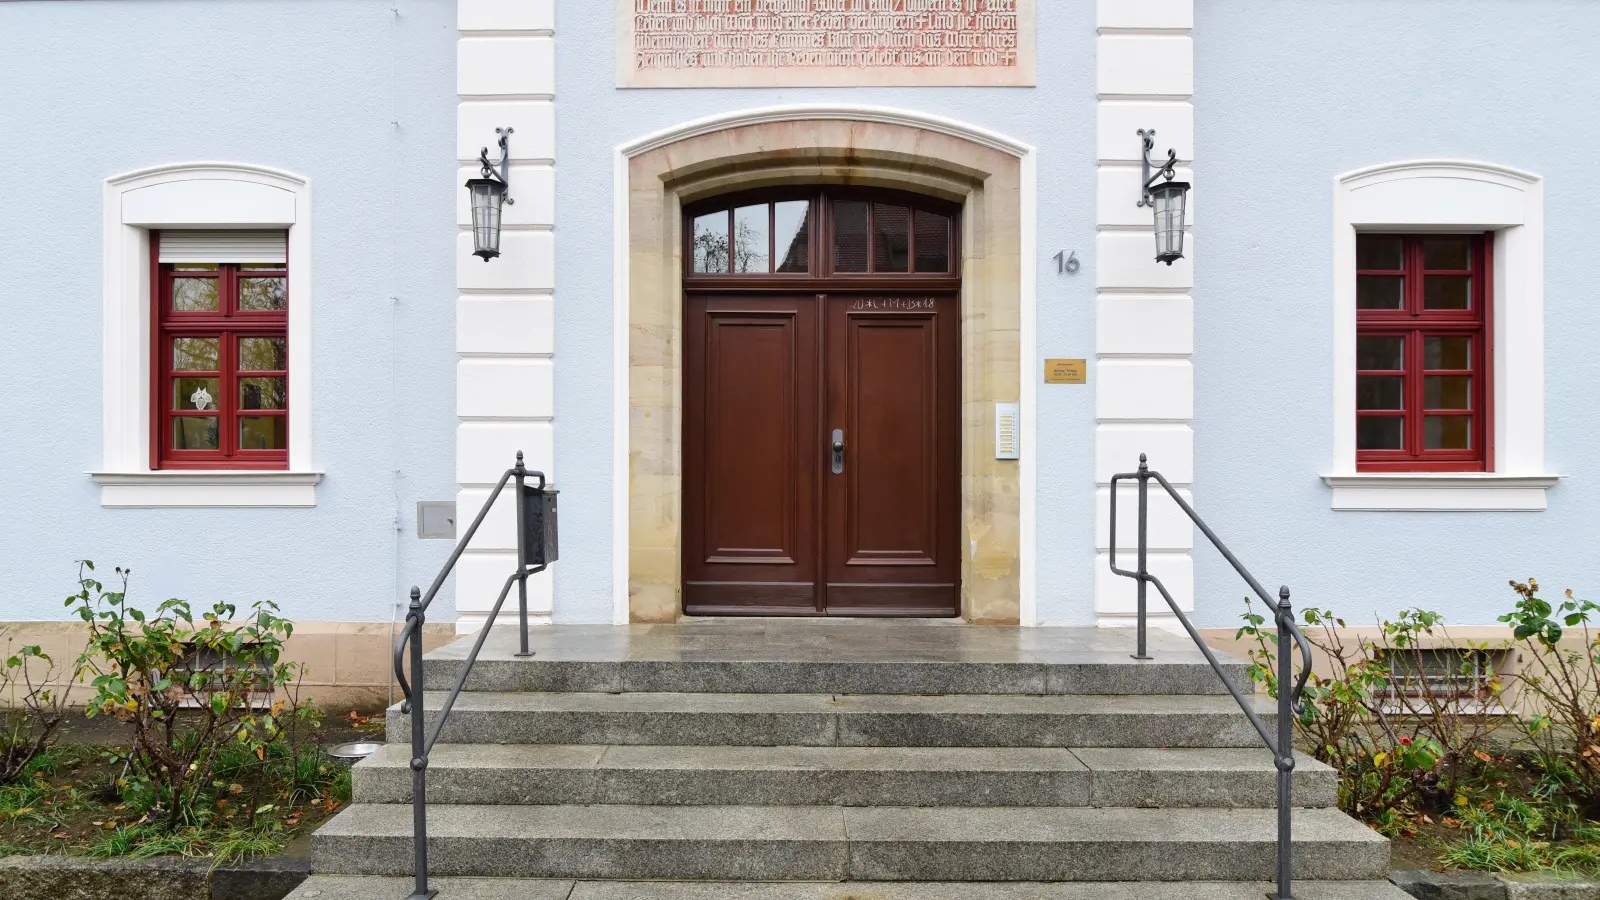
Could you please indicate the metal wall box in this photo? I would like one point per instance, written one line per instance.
(539, 525)
(436, 520)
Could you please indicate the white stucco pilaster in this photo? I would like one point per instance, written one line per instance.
(505, 312)
(1144, 371)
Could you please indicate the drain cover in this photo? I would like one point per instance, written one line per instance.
(354, 750)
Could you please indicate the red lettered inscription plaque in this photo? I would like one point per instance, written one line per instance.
(814, 43)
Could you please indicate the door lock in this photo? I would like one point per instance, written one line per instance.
(838, 451)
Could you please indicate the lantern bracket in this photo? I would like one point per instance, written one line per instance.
(502, 172)
(1152, 171)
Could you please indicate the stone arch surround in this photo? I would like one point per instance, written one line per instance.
(986, 179)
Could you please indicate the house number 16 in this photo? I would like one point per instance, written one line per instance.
(1067, 262)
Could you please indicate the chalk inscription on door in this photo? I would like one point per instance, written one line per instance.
(900, 304)
(806, 43)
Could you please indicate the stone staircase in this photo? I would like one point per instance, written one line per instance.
(825, 760)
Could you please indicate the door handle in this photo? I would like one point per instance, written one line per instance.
(838, 451)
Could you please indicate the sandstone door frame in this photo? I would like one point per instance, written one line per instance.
(992, 175)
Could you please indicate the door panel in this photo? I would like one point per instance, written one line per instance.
(890, 537)
(889, 484)
(751, 455)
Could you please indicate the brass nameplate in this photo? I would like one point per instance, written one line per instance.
(1066, 371)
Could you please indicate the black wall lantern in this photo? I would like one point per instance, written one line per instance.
(1165, 198)
(488, 192)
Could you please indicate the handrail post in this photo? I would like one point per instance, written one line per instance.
(522, 556)
(419, 753)
(1290, 639)
(1144, 546)
(1285, 749)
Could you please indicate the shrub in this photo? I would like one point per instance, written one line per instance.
(146, 668)
(1455, 705)
(30, 710)
(1400, 739)
(1562, 685)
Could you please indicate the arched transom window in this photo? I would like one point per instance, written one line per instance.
(818, 233)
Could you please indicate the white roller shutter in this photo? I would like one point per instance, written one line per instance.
(224, 246)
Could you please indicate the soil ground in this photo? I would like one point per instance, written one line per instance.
(81, 810)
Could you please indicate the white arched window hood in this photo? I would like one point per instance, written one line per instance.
(201, 195)
(1444, 196)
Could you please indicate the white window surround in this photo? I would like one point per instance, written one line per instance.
(200, 195)
(1444, 196)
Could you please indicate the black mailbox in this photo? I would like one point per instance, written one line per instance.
(539, 524)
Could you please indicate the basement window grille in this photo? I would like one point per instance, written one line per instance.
(202, 659)
(1464, 677)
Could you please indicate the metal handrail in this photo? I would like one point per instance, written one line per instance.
(1290, 701)
(422, 740)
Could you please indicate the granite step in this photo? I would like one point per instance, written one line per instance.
(808, 843)
(825, 658)
(824, 720)
(904, 671)
(523, 774)
(356, 887)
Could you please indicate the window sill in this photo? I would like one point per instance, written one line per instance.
(201, 488)
(1439, 491)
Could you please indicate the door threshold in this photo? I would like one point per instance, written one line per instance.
(687, 619)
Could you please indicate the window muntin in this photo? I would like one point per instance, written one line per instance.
(753, 239)
(1422, 356)
(834, 232)
(220, 379)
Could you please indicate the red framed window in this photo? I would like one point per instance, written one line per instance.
(220, 361)
(1423, 353)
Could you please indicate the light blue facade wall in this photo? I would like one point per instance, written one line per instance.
(593, 117)
(356, 96)
(1288, 96)
(362, 100)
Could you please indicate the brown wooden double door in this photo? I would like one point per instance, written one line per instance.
(822, 454)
